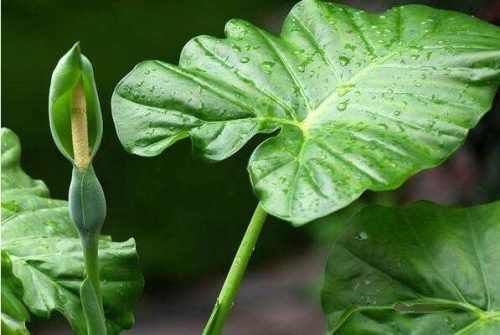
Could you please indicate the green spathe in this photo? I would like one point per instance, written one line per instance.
(70, 69)
(362, 101)
(422, 269)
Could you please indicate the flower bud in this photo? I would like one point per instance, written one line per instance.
(87, 205)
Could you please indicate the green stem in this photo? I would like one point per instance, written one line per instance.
(226, 297)
(90, 291)
(91, 259)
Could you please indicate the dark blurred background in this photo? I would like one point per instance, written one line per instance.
(187, 216)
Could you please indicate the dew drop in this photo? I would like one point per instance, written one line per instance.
(350, 47)
(361, 236)
(268, 63)
(344, 60)
(12, 206)
(342, 106)
(344, 89)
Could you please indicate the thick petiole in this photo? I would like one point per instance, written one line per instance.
(91, 259)
(226, 297)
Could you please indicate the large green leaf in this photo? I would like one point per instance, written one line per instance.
(422, 269)
(362, 101)
(47, 256)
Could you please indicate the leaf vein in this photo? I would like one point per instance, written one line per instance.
(371, 175)
(274, 98)
(315, 43)
(287, 68)
(480, 257)
(205, 83)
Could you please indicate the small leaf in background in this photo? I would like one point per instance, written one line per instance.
(46, 253)
(73, 78)
(363, 101)
(421, 269)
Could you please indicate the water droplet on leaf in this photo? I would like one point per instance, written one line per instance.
(361, 236)
(342, 106)
(344, 60)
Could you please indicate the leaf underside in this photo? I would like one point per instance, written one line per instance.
(46, 254)
(422, 269)
(361, 100)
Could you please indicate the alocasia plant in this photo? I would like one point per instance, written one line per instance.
(42, 257)
(361, 101)
(76, 126)
(422, 269)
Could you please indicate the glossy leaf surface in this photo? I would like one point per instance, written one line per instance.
(422, 269)
(46, 253)
(362, 100)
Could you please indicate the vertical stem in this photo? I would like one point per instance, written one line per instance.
(90, 291)
(89, 197)
(91, 259)
(81, 156)
(226, 297)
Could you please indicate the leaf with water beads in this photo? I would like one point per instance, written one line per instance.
(352, 93)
